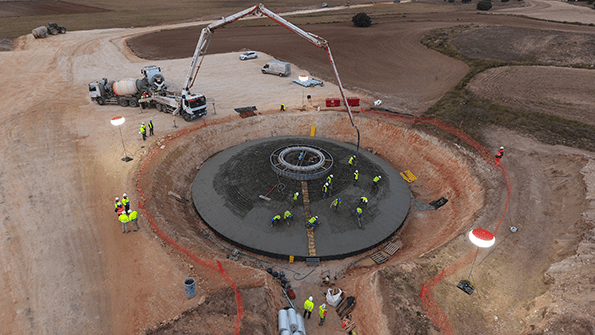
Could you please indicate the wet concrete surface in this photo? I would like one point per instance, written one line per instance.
(226, 193)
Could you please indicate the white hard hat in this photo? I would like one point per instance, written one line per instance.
(117, 198)
(325, 184)
(119, 203)
(129, 211)
(125, 195)
(297, 193)
(502, 148)
(316, 216)
(323, 306)
(331, 176)
(143, 123)
(311, 299)
(355, 170)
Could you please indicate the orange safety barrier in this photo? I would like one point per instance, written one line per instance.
(433, 310)
(207, 263)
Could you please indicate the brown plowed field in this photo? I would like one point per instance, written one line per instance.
(34, 8)
(68, 268)
(559, 91)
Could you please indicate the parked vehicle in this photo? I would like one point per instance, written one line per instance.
(149, 89)
(126, 92)
(282, 69)
(55, 29)
(248, 55)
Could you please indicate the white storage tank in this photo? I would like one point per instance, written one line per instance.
(301, 329)
(293, 324)
(40, 32)
(283, 322)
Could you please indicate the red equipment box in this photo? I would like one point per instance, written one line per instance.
(353, 101)
(333, 102)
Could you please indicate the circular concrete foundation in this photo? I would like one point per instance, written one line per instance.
(226, 194)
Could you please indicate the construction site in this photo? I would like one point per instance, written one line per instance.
(236, 190)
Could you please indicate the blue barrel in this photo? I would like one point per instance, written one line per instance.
(190, 287)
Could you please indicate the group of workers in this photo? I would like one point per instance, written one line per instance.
(309, 306)
(143, 129)
(322, 312)
(125, 214)
(351, 163)
(286, 217)
(326, 192)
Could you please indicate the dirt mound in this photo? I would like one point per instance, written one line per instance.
(216, 315)
(514, 44)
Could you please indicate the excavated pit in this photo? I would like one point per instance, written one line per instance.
(441, 169)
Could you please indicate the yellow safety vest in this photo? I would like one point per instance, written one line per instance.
(125, 200)
(133, 215)
(321, 312)
(308, 305)
(287, 214)
(124, 218)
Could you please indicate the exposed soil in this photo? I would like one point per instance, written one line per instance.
(514, 44)
(30, 8)
(61, 170)
(558, 91)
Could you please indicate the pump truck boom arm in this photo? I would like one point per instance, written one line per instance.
(207, 33)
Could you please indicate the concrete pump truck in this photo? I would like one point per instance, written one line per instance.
(259, 9)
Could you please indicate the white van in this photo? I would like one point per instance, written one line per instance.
(283, 69)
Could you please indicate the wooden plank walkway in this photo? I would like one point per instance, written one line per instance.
(311, 240)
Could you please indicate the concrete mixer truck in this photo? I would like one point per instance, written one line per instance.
(151, 88)
(127, 92)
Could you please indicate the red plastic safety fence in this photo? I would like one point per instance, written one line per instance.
(433, 310)
(207, 263)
